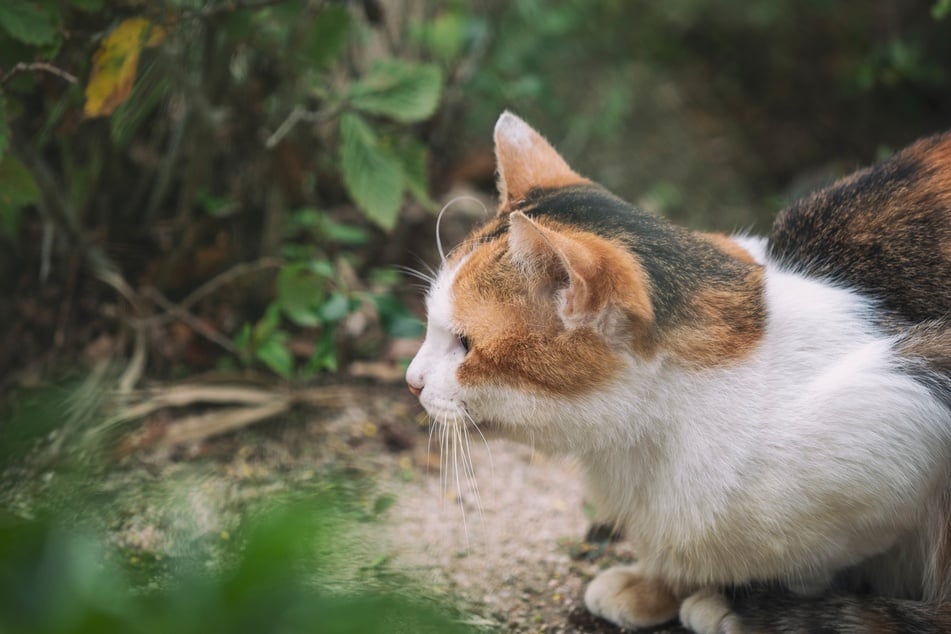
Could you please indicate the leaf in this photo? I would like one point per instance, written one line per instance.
(415, 159)
(275, 354)
(373, 176)
(397, 320)
(17, 189)
(300, 294)
(327, 36)
(335, 308)
(115, 64)
(940, 9)
(444, 35)
(26, 22)
(400, 90)
(325, 354)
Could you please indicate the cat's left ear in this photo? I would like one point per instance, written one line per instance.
(584, 272)
(527, 161)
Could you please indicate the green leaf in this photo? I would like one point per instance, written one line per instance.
(324, 228)
(373, 176)
(300, 294)
(327, 36)
(335, 308)
(415, 159)
(275, 354)
(444, 35)
(26, 22)
(400, 90)
(940, 9)
(340, 233)
(4, 126)
(397, 320)
(17, 189)
(325, 354)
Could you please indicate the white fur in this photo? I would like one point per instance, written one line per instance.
(809, 456)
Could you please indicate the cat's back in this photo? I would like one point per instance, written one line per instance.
(884, 231)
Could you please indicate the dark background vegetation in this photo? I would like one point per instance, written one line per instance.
(242, 206)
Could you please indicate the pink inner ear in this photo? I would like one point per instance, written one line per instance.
(526, 160)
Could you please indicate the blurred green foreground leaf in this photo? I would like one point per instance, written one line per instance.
(54, 580)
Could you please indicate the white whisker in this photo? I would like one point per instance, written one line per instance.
(485, 442)
(456, 448)
(429, 443)
(420, 275)
(442, 254)
(467, 459)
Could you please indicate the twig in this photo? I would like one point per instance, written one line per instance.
(136, 367)
(184, 395)
(202, 426)
(176, 311)
(298, 114)
(212, 285)
(43, 67)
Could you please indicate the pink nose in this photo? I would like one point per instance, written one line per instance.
(415, 390)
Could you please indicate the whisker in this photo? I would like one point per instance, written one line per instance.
(485, 442)
(429, 442)
(442, 254)
(455, 462)
(411, 272)
(472, 476)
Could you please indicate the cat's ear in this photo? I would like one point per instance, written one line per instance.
(527, 161)
(582, 270)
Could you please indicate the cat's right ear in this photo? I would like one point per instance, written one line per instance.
(526, 161)
(584, 272)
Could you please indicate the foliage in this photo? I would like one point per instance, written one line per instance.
(127, 119)
(57, 580)
(157, 144)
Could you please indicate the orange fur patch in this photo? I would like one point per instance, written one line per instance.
(511, 317)
(729, 324)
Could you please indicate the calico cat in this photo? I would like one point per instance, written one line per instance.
(768, 419)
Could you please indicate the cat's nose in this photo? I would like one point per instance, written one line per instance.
(416, 390)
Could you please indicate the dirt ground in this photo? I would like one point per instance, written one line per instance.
(513, 552)
(512, 559)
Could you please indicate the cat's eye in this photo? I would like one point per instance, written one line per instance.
(464, 341)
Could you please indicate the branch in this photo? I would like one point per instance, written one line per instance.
(173, 310)
(179, 313)
(298, 114)
(42, 67)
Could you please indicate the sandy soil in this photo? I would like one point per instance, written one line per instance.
(513, 559)
(513, 552)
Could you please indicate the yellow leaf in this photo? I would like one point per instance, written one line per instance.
(115, 63)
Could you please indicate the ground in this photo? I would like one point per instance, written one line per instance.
(520, 564)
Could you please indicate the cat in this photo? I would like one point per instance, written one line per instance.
(769, 419)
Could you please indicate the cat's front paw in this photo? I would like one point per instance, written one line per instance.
(707, 612)
(625, 597)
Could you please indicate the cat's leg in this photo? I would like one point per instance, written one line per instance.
(625, 597)
(708, 612)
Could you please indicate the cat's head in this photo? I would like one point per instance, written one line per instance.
(552, 303)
